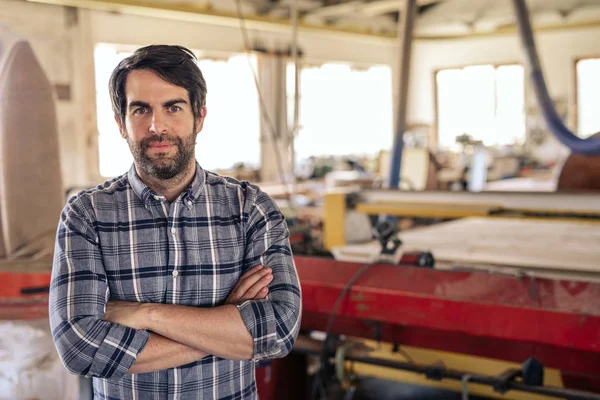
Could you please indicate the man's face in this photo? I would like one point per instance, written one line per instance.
(159, 125)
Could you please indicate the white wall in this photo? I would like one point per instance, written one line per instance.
(558, 53)
(140, 30)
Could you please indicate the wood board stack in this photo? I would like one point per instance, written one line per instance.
(545, 248)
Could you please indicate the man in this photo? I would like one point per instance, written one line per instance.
(158, 286)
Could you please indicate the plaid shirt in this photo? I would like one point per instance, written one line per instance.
(122, 241)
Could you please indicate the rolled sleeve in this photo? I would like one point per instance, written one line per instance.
(118, 351)
(86, 344)
(274, 322)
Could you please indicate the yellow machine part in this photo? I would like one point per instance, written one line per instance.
(334, 232)
(477, 365)
(335, 213)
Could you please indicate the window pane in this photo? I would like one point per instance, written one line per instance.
(114, 156)
(342, 111)
(510, 106)
(477, 98)
(450, 108)
(232, 128)
(588, 97)
(483, 102)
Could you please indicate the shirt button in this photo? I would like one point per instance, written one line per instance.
(156, 198)
(175, 273)
(173, 231)
(189, 203)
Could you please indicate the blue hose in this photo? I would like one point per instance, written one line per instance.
(590, 146)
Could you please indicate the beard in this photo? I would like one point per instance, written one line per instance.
(161, 165)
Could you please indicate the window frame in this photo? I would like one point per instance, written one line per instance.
(353, 67)
(573, 115)
(526, 89)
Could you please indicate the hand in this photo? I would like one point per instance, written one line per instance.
(128, 313)
(251, 286)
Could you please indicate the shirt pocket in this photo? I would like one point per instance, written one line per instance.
(214, 265)
(135, 272)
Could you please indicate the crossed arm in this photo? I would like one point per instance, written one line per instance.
(181, 335)
(107, 340)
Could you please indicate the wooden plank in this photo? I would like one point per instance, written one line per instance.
(552, 249)
(551, 245)
(431, 210)
(557, 202)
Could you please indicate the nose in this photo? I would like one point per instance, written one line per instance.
(158, 126)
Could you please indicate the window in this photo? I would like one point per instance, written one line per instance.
(588, 97)
(343, 111)
(485, 102)
(231, 130)
(114, 155)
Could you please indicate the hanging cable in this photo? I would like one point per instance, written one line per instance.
(296, 121)
(266, 116)
(319, 384)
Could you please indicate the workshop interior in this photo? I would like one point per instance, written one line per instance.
(437, 163)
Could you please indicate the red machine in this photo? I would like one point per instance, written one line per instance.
(480, 314)
(474, 313)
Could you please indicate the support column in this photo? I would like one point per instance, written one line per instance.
(402, 74)
(274, 138)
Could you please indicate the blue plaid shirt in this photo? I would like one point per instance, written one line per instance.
(122, 241)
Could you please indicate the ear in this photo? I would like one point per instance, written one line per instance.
(200, 119)
(122, 129)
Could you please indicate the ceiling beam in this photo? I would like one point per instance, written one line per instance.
(208, 15)
(372, 8)
(283, 7)
(387, 6)
(335, 10)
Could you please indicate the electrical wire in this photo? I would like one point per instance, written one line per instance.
(270, 125)
(319, 384)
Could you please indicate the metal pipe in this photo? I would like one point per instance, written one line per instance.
(441, 372)
(555, 124)
(444, 373)
(405, 36)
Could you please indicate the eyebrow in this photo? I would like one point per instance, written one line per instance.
(166, 104)
(137, 103)
(170, 103)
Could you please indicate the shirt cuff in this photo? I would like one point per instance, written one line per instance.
(118, 351)
(260, 321)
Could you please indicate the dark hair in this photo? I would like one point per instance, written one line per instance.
(174, 64)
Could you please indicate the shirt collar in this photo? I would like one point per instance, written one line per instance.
(146, 194)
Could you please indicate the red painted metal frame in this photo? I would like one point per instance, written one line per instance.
(474, 313)
(14, 304)
(480, 314)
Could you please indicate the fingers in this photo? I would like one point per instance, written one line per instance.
(262, 294)
(247, 282)
(251, 285)
(248, 275)
(259, 286)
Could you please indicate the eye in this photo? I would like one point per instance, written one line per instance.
(140, 111)
(174, 109)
